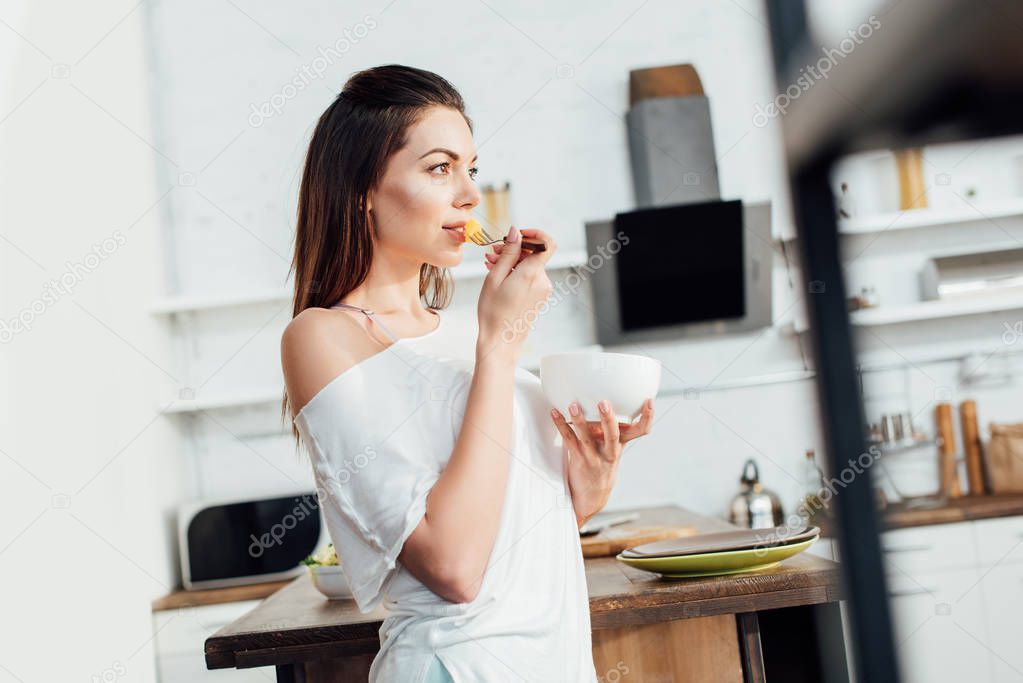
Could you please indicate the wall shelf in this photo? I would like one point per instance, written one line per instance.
(186, 303)
(224, 402)
(923, 218)
(928, 218)
(908, 447)
(192, 303)
(931, 310)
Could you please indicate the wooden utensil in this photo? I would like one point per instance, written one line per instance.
(912, 187)
(971, 445)
(613, 540)
(949, 475)
(676, 80)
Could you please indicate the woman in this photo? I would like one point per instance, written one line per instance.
(441, 479)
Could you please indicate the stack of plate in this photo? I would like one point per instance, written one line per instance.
(726, 552)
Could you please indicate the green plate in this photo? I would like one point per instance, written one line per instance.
(716, 564)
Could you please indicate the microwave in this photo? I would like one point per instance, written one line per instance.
(681, 271)
(237, 542)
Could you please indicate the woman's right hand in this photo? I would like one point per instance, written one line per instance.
(513, 293)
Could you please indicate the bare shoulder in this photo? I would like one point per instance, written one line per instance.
(314, 350)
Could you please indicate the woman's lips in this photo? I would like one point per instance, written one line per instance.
(457, 234)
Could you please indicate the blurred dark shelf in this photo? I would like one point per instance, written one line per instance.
(967, 508)
(935, 71)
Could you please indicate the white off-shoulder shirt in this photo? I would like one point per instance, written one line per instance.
(379, 436)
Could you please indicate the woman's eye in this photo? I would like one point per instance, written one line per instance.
(473, 171)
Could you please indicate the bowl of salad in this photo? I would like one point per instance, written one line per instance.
(325, 570)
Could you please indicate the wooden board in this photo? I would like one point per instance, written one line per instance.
(613, 540)
(217, 596)
(676, 80)
(680, 651)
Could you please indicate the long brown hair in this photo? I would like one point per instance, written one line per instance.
(367, 123)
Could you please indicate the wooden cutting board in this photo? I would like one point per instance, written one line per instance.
(613, 540)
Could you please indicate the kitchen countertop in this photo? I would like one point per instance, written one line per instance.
(297, 624)
(217, 596)
(967, 508)
(896, 516)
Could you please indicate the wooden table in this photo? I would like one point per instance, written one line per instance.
(743, 627)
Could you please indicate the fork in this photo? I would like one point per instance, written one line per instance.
(477, 234)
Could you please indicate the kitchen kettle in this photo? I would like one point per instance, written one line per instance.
(754, 507)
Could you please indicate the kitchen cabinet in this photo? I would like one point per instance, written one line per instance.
(939, 625)
(1000, 554)
(1002, 592)
(930, 548)
(956, 591)
(179, 638)
(1000, 541)
(826, 548)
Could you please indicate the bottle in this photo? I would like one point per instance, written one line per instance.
(812, 506)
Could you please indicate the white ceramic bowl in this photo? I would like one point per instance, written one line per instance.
(330, 580)
(624, 379)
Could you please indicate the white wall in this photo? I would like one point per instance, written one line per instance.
(89, 470)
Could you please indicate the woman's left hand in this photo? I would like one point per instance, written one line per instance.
(594, 450)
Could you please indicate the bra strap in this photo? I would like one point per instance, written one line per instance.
(371, 316)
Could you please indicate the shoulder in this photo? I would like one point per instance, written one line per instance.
(314, 350)
(310, 326)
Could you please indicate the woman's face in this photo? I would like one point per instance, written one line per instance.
(426, 185)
